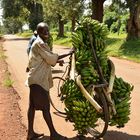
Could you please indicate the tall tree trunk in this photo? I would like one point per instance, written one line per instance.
(61, 26)
(73, 23)
(36, 14)
(133, 24)
(97, 9)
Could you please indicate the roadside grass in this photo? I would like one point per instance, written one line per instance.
(117, 46)
(26, 34)
(64, 41)
(2, 56)
(7, 82)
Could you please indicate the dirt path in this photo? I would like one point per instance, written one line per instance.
(11, 127)
(17, 61)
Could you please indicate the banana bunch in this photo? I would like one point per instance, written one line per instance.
(121, 96)
(81, 41)
(78, 109)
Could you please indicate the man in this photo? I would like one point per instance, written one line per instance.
(33, 38)
(39, 81)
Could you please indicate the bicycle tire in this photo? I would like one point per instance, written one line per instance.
(55, 95)
(95, 132)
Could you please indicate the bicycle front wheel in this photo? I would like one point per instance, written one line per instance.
(56, 96)
(102, 123)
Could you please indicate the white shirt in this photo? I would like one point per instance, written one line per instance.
(40, 60)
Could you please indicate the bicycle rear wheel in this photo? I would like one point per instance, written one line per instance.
(102, 123)
(56, 96)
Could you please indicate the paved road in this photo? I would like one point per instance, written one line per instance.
(17, 61)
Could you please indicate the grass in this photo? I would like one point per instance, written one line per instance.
(26, 34)
(64, 41)
(119, 47)
(2, 56)
(7, 81)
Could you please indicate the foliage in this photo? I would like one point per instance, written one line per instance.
(118, 46)
(116, 18)
(133, 22)
(10, 8)
(13, 15)
(35, 12)
(12, 25)
(64, 41)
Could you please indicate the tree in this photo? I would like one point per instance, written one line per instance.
(133, 23)
(73, 10)
(35, 9)
(55, 8)
(115, 17)
(11, 14)
(97, 9)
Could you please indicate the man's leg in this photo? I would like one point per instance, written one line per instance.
(31, 115)
(47, 116)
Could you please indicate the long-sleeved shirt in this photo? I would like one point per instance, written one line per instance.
(40, 61)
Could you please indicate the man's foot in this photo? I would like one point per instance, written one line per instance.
(33, 136)
(58, 137)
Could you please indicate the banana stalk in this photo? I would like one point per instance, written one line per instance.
(112, 78)
(87, 95)
(72, 70)
(110, 88)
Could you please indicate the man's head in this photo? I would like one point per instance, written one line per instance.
(43, 30)
(35, 33)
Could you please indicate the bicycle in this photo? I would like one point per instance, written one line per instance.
(102, 100)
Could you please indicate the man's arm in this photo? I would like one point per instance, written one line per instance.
(65, 55)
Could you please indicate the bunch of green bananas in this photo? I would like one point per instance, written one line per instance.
(121, 95)
(78, 109)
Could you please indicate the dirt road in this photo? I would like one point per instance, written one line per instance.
(17, 61)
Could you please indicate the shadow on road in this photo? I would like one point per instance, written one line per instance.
(57, 71)
(116, 135)
(73, 138)
(110, 135)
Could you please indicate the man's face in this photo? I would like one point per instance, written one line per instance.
(45, 33)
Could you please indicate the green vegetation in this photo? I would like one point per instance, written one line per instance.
(119, 47)
(26, 34)
(7, 81)
(2, 56)
(65, 41)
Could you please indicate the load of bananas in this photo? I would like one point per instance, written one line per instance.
(79, 110)
(121, 96)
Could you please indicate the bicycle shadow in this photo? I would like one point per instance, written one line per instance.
(57, 71)
(116, 135)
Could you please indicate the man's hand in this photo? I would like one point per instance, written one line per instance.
(61, 62)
